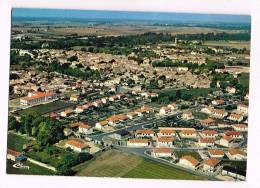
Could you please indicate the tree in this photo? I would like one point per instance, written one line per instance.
(13, 123)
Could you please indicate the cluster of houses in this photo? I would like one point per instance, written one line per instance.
(121, 118)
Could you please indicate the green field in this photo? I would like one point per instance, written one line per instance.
(16, 142)
(244, 79)
(196, 92)
(200, 115)
(33, 169)
(46, 108)
(114, 163)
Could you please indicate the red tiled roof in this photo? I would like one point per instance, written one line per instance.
(213, 162)
(191, 159)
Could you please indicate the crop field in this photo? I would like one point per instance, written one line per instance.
(46, 108)
(114, 163)
(233, 44)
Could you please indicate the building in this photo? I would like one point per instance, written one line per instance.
(121, 134)
(231, 90)
(188, 161)
(138, 142)
(79, 109)
(235, 117)
(173, 106)
(66, 113)
(74, 98)
(161, 152)
(207, 110)
(218, 102)
(216, 153)
(210, 165)
(101, 125)
(15, 155)
(242, 109)
(234, 134)
(240, 127)
(113, 120)
(166, 131)
(132, 115)
(236, 154)
(143, 110)
(165, 110)
(219, 113)
(209, 134)
(234, 173)
(188, 134)
(144, 133)
(207, 122)
(35, 98)
(226, 141)
(85, 128)
(206, 142)
(77, 146)
(165, 141)
(187, 116)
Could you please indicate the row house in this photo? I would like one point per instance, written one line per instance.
(240, 127)
(168, 132)
(161, 152)
(210, 165)
(234, 134)
(144, 133)
(219, 113)
(209, 134)
(165, 142)
(206, 142)
(236, 154)
(216, 153)
(35, 98)
(188, 134)
(138, 142)
(188, 161)
(235, 117)
(207, 122)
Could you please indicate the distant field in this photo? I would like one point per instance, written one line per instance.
(114, 163)
(231, 44)
(196, 92)
(16, 142)
(244, 79)
(33, 169)
(46, 108)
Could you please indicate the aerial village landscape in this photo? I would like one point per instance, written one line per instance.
(131, 98)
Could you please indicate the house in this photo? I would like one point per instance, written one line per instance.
(15, 155)
(144, 133)
(242, 109)
(207, 110)
(235, 117)
(236, 154)
(231, 90)
(216, 153)
(165, 141)
(234, 173)
(226, 141)
(35, 98)
(188, 161)
(165, 110)
(173, 106)
(207, 122)
(66, 113)
(138, 142)
(77, 146)
(161, 152)
(187, 116)
(97, 103)
(149, 95)
(218, 102)
(240, 127)
(114, 98)
(224, 125)
(188, 134)
(88, 106)
(210, 164)
(104, 100)
(143, 110)
(74, 98)
(132, 115)
(79, 109)
(113, 120)
(121, 134)
(85, 128)
(166, 131)
(206, 142)
(219, 113)
(53, 115)
(209, 134)
(234, 134)
(101, 125)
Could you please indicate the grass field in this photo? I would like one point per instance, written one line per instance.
(46, 108)
(16, 142)
(244, 79)
(196, 92)
(114, 163)
(33, 169)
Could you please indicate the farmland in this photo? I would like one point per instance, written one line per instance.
(16, 142)
(117, 164)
